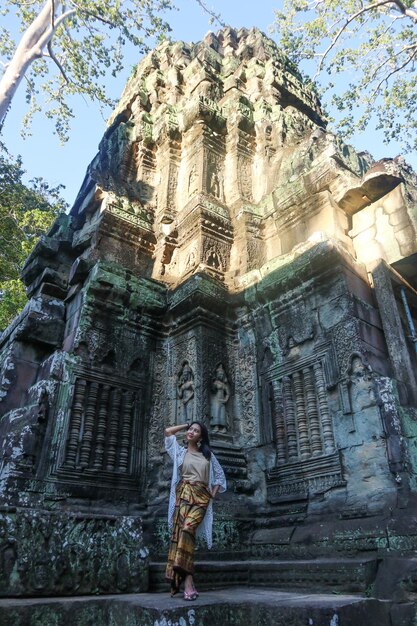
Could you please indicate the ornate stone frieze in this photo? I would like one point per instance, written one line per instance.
(160, 412)
(43, 553)
(246, 391)
(300, 478)
(346, 341)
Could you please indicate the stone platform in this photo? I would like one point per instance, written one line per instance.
(240, 606)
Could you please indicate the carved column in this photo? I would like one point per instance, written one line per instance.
(303, 438)
(312, 412)
(101, 427)
(289, 413)
(75, 423)
(90, 412)
(126, 429)
(279, 421)
(326, 421)
(113, 428)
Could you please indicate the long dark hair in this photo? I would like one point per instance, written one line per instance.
(205, 440)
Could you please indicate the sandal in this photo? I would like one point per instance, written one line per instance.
(190, 595)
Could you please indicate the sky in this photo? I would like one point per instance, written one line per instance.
(44, 156)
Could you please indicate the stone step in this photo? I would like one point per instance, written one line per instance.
(334, 575)
(239, 606)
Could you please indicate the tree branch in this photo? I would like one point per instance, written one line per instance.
(405, 10)
(57, 62)
(386, 60)
(58, 23)
(95, 15)
(386, 78)
(352, 18)
(216, 17)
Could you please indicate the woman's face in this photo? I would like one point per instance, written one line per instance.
(194, 433)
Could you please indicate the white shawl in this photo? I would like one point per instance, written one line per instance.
(216, 477)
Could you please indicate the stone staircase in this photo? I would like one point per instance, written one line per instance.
(302, 592)
(246, 592)
(320, 575)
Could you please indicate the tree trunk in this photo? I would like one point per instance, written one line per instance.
(30, 48)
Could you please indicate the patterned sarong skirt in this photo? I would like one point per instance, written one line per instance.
(191, 504)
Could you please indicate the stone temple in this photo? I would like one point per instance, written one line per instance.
(227, 259)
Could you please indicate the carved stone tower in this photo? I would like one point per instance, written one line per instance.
(227, 259)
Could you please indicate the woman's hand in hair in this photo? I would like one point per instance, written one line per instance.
(173, 430)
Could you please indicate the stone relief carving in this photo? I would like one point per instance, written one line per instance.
(269, 149)
(317, 475)
(192, 181)
(93, 554)
(214, 255)
(172, 186)
(295, 326)
(357, 387)
(245, 177)
(346, 340)
(34, 434)
(185, 388)
(159, 401)
(246, 385)
(220, 394)
(213, 259)
(214, 182)
(215, 185)
(146, 166)
(362, 392)
(191, 259)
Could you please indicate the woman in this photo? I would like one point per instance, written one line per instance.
(196, 479)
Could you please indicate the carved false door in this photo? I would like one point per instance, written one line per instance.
(306, 457)
(103, 427)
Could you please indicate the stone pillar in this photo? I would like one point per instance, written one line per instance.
(393, 328)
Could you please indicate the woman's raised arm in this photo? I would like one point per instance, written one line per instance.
(173, 430)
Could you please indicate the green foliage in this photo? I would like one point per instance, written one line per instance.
(26, 212)
(12, 300)
(85, 47)
(370, 48)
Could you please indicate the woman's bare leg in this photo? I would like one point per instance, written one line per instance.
(189, 584)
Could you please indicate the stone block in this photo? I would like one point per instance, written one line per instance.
(239, 607)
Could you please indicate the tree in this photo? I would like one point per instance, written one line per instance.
(372, 45)
(26, 212)
(83, 40)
